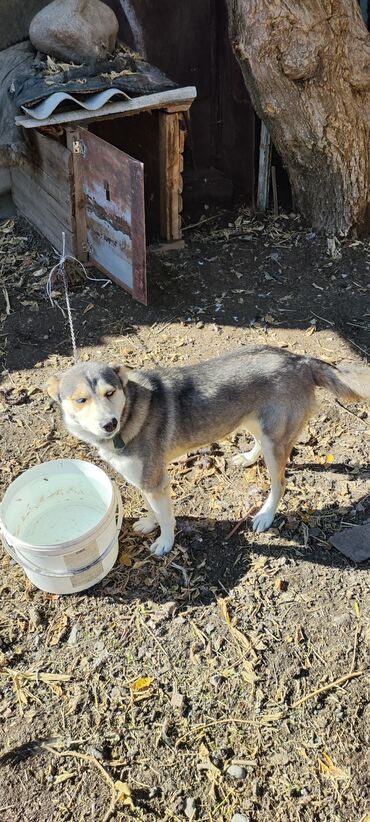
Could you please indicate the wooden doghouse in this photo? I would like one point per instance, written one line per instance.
(107, 179)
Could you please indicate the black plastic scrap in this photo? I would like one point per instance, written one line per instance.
(125, 70)
(354, 542)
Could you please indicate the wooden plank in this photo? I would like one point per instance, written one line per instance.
(36, 208)
(182, 97)
(170, 176)
(264, 170)
(73, 136)
(39, 196)
(51, 156)
(113, 186)
(60, 190)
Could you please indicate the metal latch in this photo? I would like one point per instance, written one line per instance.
(78, 147)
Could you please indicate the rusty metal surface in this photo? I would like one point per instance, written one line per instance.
(113, 186)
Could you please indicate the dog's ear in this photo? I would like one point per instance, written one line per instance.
(121, 372)
(52, 387)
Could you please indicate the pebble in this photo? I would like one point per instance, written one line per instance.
(190, 807)
(240, 817)
(236, 772)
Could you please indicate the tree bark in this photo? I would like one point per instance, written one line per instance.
(306, 65)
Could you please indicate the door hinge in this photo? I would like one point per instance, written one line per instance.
(78, 147)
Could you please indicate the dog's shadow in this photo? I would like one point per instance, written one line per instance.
(211, 556)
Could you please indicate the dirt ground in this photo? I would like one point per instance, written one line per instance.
(228, 681)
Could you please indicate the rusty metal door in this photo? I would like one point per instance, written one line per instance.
(112, 184)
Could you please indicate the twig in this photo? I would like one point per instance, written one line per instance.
(92, 760)
(202, 727)
(238, 524)
(354, 649)
(359, 348)
(200, 222)
(349, 411)
(162, 328)
(335, 684)
(321, 318)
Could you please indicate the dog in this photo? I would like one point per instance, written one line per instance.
(139, 421)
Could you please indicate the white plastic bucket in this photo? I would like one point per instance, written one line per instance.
(60, 521)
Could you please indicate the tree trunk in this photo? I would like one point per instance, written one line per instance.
(306, 65)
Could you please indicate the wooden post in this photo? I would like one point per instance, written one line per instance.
(73, 139)
(170, 168)
(274, 191)
(264, 170)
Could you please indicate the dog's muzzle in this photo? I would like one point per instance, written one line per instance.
(110, 426)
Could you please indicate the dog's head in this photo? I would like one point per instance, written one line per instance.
(92, 398)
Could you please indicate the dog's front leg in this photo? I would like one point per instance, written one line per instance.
(161, 505)
(145, 525)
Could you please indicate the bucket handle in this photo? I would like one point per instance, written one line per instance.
(119, 506)
(119, 517)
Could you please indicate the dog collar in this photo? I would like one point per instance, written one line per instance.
(118, 442)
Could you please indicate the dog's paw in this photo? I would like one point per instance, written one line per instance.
(144, 525)
(262, 520)
(161, 546)
(244, 459)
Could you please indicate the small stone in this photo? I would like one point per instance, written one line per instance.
(240, 817)
(190, 807)
(72, 639)
(236, 772)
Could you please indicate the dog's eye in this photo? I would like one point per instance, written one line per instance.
(110, 393)
(82, 400)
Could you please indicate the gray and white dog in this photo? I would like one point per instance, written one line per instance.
(141, 420)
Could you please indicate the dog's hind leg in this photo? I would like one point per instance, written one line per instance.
(161, 504)
(276, 457)
(145, 525)
(248, 457)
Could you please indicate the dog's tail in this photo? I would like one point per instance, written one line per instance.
(346, 383)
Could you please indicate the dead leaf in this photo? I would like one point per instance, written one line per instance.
(123, 793)
(126, 559)
(57, 628)
(142, 683)
(281, 585)
(327, 768)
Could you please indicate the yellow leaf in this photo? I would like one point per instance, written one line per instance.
(123, 793)
(357, 611)
(224, 610)
(141, 683)
(126, 559)
(329, 458)
(327, 767)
